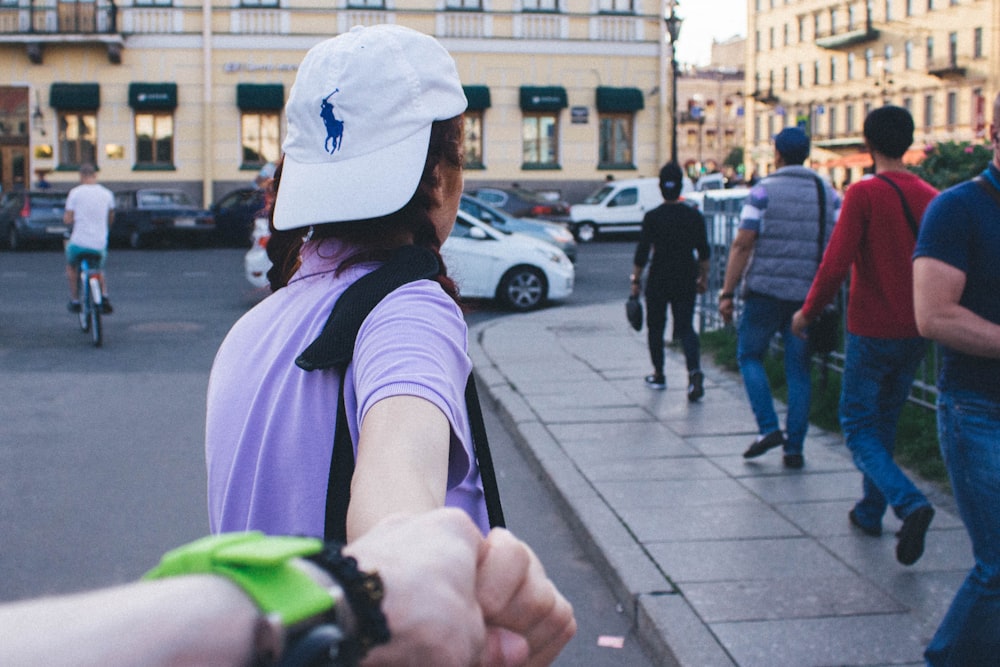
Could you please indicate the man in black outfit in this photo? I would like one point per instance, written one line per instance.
(676, 234)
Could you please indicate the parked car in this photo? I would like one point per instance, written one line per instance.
(234, 214)
(522, 203)
(519, 271)
(552, 232)
(31, 217)
(159, 213)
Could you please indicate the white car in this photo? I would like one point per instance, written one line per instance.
(522, 272)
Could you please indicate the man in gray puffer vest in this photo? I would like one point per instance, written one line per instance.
(776, 253)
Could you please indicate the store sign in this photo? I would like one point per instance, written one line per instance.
(232, 68)
(579, 115)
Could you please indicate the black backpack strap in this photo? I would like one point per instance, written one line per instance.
(910, 219)
(334, 348)
(987, 185)
(821, 240)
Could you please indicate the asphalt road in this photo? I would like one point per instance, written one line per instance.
(101, 459)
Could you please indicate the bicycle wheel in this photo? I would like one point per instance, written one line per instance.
(84, 296)
(96, 307)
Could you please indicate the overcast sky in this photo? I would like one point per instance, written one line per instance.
(705, 20)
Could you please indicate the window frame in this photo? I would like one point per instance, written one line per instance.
(539, 141)
(608, 124)
(274, 115)
(477, 116)
(63, 125)
(157, 161)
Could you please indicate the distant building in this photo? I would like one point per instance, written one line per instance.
(823, 65)
(175, 92)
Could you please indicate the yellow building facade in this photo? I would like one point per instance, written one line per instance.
(823, 65)
(170, 92)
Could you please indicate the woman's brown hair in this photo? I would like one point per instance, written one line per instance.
(376, 238)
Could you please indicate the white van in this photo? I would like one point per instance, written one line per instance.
(617, 206)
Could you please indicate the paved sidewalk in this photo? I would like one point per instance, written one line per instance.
(723, 561)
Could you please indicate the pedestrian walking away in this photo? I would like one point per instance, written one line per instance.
(678, 272)
(90, 211)
(873, 241)
(773, 260)
(956, 289)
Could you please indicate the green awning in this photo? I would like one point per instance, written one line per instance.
(152, 96)
(478, 96)
(260, 96)
(619, 99)
(75, 96)
(543, 98)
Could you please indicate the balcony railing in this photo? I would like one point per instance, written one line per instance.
(65, 17)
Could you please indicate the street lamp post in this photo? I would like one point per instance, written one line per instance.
(673, 31)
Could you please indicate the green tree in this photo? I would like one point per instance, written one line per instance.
(952, 162)
(735, 158)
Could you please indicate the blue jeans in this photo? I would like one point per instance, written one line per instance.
(969, 431)
(682, 309)
(878, 373)
(764, 316)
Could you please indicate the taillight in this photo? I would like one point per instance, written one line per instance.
(538, 209)
(26, 209)
(262, 241)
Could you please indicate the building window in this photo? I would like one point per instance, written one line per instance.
(366, 4)
(869, 61)
(833, 69)
(616, 140)
(908, 104)
(851, 18)
(770, 38)
(930, 5)
(816, 73)
(849, 119)
(951, 113)
(833, 20)
(540, 5)
(787, 36)
(77, 138)
(802, 75)
(260, 138)
(466, 5)
(692, 137)
(952, 48)
(756, 41)
(850, 66)
(154, 139)
(816, 32)
(833, 121)
(977, 43)
(784, 78)
(909, 7)
(540, 139)
(928, 112)
(606, 6)
(908, 55)
(930, 51)
(258, 3)
(802, 28)
(474, 139)
(888, 10)
(154, 3)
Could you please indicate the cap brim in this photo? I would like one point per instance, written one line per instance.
(363, 187)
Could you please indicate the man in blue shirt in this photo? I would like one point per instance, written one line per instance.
(956, 286)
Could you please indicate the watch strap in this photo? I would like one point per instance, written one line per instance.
(260, 565)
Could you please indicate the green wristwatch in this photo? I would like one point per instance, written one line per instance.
(261, 566)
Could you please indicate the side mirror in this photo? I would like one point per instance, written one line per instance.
(478, 234)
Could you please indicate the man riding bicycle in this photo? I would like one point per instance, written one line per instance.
(90, 212)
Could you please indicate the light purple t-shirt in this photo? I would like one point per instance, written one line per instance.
(270, 424)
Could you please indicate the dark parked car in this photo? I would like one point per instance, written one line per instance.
(27, 217)
(234, 214)
(148, 214)
(523, 203)
(552, 232)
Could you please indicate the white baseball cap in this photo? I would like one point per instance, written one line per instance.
(359, 124)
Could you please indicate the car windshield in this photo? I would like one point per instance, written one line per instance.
(162, 198)
(53, 200)
(599, 196)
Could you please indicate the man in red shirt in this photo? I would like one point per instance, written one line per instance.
(875, 236)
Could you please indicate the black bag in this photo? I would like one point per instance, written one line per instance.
(824, 333)
(633, 311)
(334, 348)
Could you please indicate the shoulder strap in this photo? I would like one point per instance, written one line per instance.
(821, 240)
(334, 348)
(910, 219)
(987, 185)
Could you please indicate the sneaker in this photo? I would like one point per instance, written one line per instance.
(910, 546)
(794, 461)
(106, 306)
(696, 389)
(764, 443)
(871, 531)
(656, 381)
(74, 306)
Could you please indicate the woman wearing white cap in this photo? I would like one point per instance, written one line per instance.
(372, 162)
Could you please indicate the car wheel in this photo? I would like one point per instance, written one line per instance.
(585, 232)
(523, 288)
(135, 239)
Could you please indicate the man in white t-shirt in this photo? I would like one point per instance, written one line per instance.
(90, 210)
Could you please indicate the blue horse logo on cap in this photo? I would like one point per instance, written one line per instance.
(334, 126)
